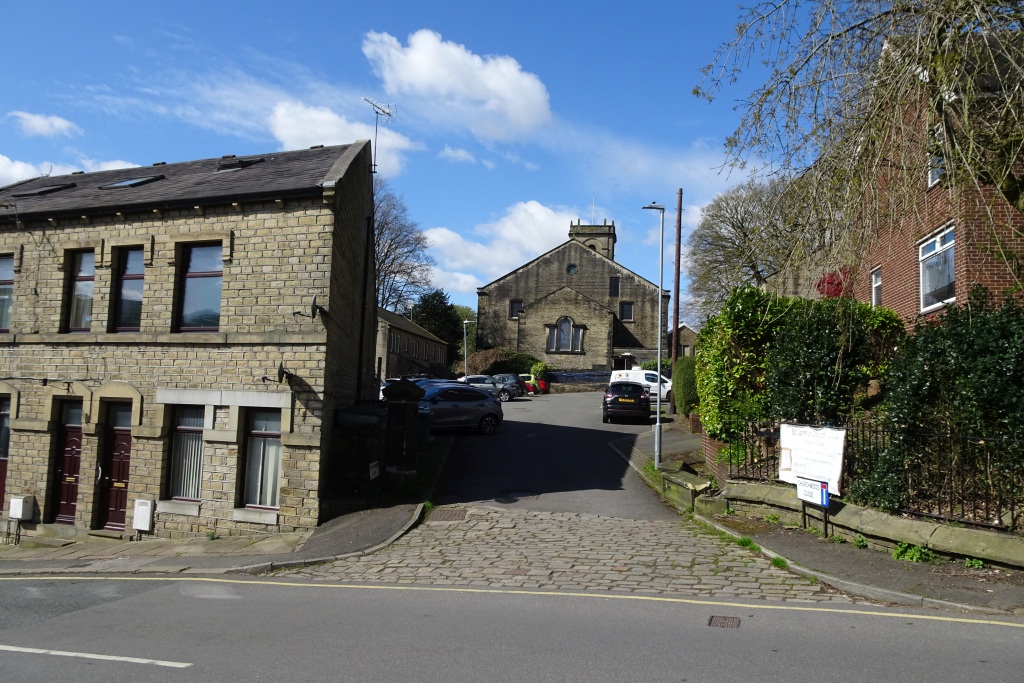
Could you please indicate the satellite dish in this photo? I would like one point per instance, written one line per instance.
(281, 372)
(315, 309)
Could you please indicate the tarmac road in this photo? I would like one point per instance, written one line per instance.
(551, 453)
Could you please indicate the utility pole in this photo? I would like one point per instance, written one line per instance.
(675, 293)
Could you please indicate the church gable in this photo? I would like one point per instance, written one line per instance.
(573, 282)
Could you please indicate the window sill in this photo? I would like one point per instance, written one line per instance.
(254, 515)
(937, 307)
(178, 507)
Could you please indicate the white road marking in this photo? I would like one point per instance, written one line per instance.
(90, 655)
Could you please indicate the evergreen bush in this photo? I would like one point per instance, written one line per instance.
(684, 384)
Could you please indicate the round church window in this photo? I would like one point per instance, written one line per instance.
(571, 269)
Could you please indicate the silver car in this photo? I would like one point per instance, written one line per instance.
(500, 390)
(453, 406)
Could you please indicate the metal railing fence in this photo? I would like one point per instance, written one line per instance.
(967, 479)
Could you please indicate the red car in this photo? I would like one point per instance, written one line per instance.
(536, 385)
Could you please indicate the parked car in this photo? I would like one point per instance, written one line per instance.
(516, 387)
(648, 378)
(626, 400)
(454, 406)
(487, 383)
(535, 384)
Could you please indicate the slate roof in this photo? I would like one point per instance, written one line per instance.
(404, 323)
(275, 175)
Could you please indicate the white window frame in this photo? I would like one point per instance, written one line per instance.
(876, 286)
(939, 245)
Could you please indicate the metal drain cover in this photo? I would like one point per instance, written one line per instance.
(724, 622)
(447, 515)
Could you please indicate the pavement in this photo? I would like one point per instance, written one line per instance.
(347, 545)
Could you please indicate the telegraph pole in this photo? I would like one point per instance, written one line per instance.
(675, 293)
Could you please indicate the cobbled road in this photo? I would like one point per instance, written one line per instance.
(545, 504)
(483, 546)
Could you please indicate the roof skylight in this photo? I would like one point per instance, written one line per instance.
(131, 182)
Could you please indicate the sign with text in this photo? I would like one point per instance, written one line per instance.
(814, 453)
(812, 491)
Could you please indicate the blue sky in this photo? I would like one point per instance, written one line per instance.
(511, 119)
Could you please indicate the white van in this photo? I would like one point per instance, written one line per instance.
(649, 378)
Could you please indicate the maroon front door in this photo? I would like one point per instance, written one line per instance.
(69, 460)
(116, 461)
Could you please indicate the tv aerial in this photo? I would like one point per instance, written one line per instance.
(379, 110)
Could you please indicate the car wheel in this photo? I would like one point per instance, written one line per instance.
(503, 395)
(605, 419)
(488, 424)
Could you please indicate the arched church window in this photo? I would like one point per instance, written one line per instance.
(565, 337)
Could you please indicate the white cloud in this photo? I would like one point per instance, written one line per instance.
(297, 126)
(527, 230)
(457, 155)
(491, 96)
(455, 281)
(92, 165)
(12, 171)
(40, 125)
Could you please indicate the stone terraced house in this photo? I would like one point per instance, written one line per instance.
(179, 341)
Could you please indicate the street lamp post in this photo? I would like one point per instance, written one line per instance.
(661, 273)
(465, 349)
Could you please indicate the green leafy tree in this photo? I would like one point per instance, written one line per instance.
(467, 313)
(436, 314)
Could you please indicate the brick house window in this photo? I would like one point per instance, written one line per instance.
(262, 458)
(613, 286)
(6, 291)
(187, 453)
(80, 291)
(127, 295)
(200, 288)
(625, 310)
(876, 287)
(938, 282)
(936, 162)
(515, 307)
(565, 337)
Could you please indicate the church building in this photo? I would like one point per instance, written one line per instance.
(574, 307)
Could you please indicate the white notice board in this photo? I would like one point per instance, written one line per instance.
(814, 453)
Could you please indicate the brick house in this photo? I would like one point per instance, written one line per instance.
(162, 347)
(932, 255)
(405, 348)
(574, 307)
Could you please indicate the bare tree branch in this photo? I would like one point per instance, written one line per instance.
(400, 251)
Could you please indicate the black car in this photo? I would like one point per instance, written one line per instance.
(626, 400)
